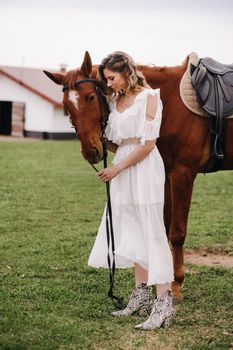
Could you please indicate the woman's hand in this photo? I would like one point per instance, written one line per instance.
(109, 173)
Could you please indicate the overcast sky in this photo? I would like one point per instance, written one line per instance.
(46, 33)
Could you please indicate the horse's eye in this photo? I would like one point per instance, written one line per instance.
(91, 97)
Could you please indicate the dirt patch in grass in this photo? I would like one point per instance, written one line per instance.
(208, 258)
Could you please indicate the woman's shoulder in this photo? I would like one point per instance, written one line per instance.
(144, 93)
(148, 94)
(151, 98)
(150, 91)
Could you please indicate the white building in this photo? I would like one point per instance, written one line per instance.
(31, 105)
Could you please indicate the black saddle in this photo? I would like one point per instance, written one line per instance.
(213, 83)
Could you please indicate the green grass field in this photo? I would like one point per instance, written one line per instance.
(51, 204)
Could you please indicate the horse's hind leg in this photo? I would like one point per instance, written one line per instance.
(181, 186)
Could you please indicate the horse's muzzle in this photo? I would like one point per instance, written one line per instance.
(94, 156)
(98, 157)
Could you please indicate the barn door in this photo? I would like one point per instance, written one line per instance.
(5, 117)
(17, 125)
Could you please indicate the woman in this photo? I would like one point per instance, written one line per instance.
(137, 191)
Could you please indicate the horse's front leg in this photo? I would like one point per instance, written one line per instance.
(181, 186)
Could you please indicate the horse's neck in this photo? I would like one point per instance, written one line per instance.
(154, 75)
(165, 78)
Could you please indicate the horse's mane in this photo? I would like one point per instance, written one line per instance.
(149, 70)
(71, 77)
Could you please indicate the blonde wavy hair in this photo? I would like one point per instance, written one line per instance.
(121, 62)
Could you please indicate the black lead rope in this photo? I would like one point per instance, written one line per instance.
(118, 302)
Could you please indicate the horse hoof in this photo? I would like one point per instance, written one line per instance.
(177, 299)
(177, 296)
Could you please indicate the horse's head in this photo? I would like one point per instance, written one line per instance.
(86, 105)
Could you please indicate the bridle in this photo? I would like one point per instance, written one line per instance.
(109, 225)
(103, 105)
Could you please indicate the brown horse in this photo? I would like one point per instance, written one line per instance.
(184, 142)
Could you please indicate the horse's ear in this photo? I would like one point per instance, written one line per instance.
(58, 78)
(86, 67)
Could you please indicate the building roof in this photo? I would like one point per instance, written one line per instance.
(36, 81)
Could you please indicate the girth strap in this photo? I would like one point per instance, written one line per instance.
(217, 133)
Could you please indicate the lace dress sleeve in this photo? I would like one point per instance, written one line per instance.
(150, 128)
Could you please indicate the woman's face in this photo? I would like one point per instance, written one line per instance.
(115, 80)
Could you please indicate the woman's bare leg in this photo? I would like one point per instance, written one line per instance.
(141, 275)
(162, 288)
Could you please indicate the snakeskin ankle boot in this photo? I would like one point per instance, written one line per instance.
(161, 314)
(140, 302)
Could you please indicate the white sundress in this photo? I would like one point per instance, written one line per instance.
(137, 197)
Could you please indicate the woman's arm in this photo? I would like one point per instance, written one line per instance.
(133, 158)
(137, 155)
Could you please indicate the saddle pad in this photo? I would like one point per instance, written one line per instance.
(187, 92)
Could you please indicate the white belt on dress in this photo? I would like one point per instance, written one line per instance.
(130, 141)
